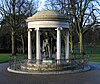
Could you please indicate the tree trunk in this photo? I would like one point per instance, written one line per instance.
(23, 44)
(81, 43)
(13, 44)
(71, 44)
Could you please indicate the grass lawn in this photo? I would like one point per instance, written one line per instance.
(94, 57)
(93, 53)
(4, 58)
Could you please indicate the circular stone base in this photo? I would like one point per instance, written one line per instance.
(44, 67)
(30, 68)
(49, 72)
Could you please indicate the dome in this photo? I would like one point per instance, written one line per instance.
(47, 15)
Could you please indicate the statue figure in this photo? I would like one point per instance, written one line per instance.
(46, 46)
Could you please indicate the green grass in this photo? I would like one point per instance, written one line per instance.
(94, 55)
(89, 50)
(4, 58)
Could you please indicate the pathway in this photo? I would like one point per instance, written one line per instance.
(89, 77)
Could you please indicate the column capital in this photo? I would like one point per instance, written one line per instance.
(59, 28)
(36, 28)
(29, 29)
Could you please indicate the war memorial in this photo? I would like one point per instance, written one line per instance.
(48, 57)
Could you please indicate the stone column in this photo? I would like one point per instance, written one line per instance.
(38, 53)
(29, 46)
(67, 45)
(58, 46)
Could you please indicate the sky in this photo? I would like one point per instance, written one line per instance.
(40, 8)
(41, 4)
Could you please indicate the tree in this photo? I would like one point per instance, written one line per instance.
(58, 5)
(12, 10)
(5, 41)
(83, 12)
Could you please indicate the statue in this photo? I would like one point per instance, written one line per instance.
(46, 46)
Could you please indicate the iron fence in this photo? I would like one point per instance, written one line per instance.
(62, 64)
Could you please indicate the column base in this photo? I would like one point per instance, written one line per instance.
(38, 61)
(58, 61)
(29, 61)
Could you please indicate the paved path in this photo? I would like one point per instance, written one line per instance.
(89, 77)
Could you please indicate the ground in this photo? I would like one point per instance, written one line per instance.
(89, 77)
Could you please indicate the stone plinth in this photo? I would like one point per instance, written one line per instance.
(44, 67)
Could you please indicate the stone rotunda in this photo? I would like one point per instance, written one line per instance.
(49, 27)
(47, 21)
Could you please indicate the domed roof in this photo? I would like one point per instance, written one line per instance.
(47, 15)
